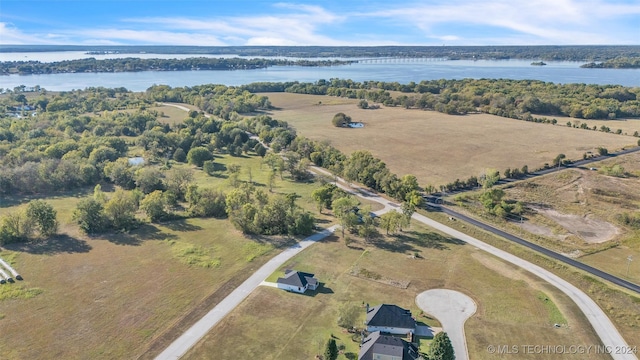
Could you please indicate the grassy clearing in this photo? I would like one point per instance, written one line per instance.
(193, 255)
(555, 316)
(13, 291)
(273, 324)
(171, 114)
(436, 147)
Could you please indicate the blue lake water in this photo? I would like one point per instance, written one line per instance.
(388, 70)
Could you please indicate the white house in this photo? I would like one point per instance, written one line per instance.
(297, 281)
(390, 319)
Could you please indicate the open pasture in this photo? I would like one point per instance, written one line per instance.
(436, 147)
(274, 324)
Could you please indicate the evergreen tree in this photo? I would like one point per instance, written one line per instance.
(441, 348)
(331, 351)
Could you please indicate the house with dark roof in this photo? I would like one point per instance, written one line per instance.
(297, 281)
(385, 347)
(390, 319)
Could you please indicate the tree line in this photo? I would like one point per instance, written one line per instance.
(543, 52)
(132, 64)
(518, 99)
(621, 62)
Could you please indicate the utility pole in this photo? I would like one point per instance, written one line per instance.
(629, 260)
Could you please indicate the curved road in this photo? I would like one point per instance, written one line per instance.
(552, 254)
(604, 328)
(609, 335)
(196, 332)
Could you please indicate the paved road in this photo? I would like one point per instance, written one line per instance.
(604, 328)
(185, 342)
(452, 309)
(552, 254)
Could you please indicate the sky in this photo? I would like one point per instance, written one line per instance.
(320, 23)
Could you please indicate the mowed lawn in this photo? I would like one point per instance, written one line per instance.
(513, 307)
(436, 147)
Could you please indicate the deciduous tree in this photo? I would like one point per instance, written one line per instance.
(44, 217)
(344, 209)
(198, 155)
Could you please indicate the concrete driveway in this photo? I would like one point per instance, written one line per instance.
(452, 309)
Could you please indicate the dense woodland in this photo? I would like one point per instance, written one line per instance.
(617, 63)
(545, 52)
(82, 138)
(136, 64)
(529, 100)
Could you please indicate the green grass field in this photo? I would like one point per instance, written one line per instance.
(274, 324)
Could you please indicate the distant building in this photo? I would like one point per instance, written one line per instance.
(390, 319)
(297, 281)
(384, 347)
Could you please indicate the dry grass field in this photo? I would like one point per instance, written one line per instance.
(436, 147)
(576, 206)
(118, 295)
(273, 324)
(109, 297)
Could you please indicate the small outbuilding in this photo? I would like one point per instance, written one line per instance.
(297, 281)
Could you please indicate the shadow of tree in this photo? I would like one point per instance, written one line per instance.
(351, 356)
(331, 238)
(277, 241)
(398, 244)
(10, 200)
(430, 240)
(138, 236)
(56, 245)
(181, 225)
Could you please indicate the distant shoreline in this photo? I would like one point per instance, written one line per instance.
(586, 53)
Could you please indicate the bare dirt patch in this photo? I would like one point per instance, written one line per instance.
(588, 228)
(541, 230)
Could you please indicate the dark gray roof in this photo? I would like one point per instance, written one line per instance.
(297, 278)
(390, 316)
(376, 343)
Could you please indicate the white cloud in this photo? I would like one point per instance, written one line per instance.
(546, 21)
(11, 35)
(152, 37)
(299, 26)
(465, 22)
